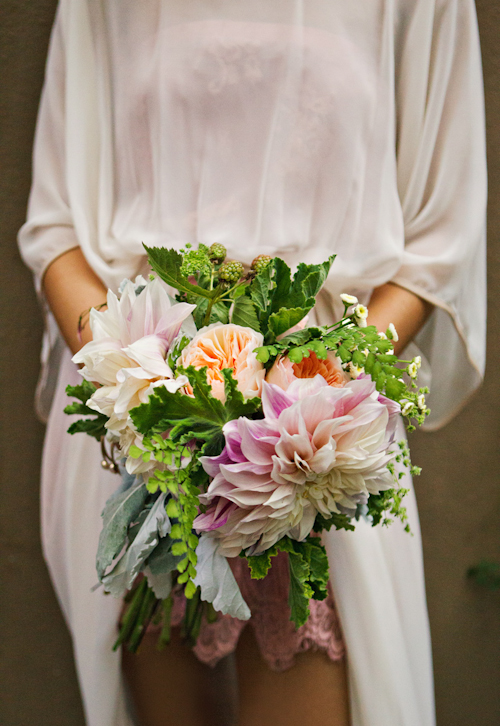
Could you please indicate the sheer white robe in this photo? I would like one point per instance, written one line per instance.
(296, 128)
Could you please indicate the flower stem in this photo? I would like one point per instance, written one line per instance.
(130, 616)
(164, 638)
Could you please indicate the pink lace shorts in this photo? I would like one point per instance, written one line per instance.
(277, 638)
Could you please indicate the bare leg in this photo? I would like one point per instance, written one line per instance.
(314, 690)
(171, 687)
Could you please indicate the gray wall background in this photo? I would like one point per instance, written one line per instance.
(459, 493)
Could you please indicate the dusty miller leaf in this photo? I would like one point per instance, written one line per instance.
(122, 576)
(217, 582)
(120, 510)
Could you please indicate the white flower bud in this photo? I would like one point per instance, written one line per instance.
(355, 371)
(393, 334)
(421, 402)
(418, 361)
(361, 312)
(412, 370)
(406, 407)
(348, 299)
(382, 335)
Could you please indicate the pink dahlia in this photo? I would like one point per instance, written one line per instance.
(318, 449)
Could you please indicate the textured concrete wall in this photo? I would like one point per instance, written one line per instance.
(459, 496)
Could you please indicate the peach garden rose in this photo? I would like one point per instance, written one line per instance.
(284, 372)
(221, 346)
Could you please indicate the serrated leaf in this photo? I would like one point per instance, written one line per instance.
(285, 319)
(167, 265)
(318, 568)
(236, 404)
(199, 416)
(82, 391)
(119, 511)
(217, 582)
(308, 281)
(339, 521)
(300, 590)
(260, 564)
(300, 337)
(260, 288)
(94, 426)
(244, 313)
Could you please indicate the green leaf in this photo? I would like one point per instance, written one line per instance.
(167, 265)
(260, 288)
(199, 416)
(300, 337)
(218, 314)
(281, 292)
(285, 319)
(95, 426)
(300, 590)
(339, 521)
(83, 391)
(236, 404)
(318, 565)
(244, 313)
(260, 564)
(318, 347)
(394, 388)
(308, 281)
(263, 354)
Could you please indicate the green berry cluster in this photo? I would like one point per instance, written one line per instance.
(231, 271)
(217, 252)
(260, 263)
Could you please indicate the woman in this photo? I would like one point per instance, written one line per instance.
(292, 128)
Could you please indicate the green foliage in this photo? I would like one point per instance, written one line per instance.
(95, 426)
(308, 565)
(200, 416)
(219, 312)
(168, 266)
(244, 313)
(339, 521)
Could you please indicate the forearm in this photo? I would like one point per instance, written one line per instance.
(393, 304)
(71, 287)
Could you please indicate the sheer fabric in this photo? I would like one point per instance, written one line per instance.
(296, 128)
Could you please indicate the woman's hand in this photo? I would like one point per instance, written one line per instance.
(72, 288)
(390, 303)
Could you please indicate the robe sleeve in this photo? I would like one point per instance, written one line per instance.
(49, 230)
(442, 187)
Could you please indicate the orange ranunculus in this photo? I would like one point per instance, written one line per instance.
(284, 371)
(221, 346)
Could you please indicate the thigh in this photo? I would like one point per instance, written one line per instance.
(171, 686)
(314, 690)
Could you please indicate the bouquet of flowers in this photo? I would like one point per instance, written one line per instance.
(238, 431)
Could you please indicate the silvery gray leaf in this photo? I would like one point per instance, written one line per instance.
(161, 584)
(122, 576)
(120, 510)
(217, 582)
